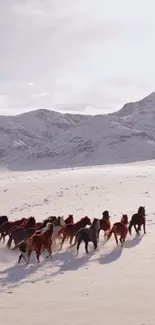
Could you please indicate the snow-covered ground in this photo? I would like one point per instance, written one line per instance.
(111, 286)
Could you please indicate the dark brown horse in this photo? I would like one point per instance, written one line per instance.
(70, 219)
(20, 234)
(70, 230)
(138, 219)
(5, 227)
(119, 229)
(3, 219)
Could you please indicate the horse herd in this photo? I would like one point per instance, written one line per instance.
(29, 235)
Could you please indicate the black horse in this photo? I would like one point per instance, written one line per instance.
(138, 219)
(3, 219)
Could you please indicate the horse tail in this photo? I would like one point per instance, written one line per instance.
(111, 232)
(130, 226)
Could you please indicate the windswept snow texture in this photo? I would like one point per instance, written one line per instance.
(45, 139)
(112, 286)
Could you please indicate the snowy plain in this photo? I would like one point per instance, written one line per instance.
(110, 286)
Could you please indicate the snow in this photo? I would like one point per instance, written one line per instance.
(110, 286)
(43, 139)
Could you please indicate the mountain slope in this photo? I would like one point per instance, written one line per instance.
(45, 139)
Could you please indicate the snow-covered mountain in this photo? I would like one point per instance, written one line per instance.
(45, 139)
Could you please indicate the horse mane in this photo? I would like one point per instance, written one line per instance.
(82, 219)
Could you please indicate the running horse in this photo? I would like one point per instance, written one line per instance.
(105, 223)
(7, 226)
(119, 229)
(138, 219)
(87, 235)
(38, 241)
(70, 230)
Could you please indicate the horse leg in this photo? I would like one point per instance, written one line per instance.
(9, 242)
(98, 235)
(136, 229)
(20, 257)
(95, 244)
(28, 256)
(78, 244)
(3, 236)
(144, 227)
(71, 239)
(62, 242)
(86, 247)
(116, 238)
(49, 249)
(38, 253)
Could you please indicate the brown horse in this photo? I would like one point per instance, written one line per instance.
(70, 230)
(105, 223)
(38, 241)
(139, 220)
(119, 229)
(5, 227)
(70, 219)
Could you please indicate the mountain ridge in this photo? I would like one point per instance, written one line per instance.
(45, 139)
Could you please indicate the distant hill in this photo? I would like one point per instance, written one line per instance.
(45, 139)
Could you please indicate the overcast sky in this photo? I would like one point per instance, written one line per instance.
(90, 56)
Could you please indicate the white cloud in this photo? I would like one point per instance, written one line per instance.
(81, 52)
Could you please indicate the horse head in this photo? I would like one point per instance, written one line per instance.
(31, 222)
(141, 210)
(60, 221)
(87, 220)
(124, 219)
(96, 224)
(105, 215)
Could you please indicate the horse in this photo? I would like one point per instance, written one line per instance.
(119, 229)
(105, 223)
(27, 223)
(45, 222)
(105, 215)
(3, 219)
(70, 230)
(139, 220)
(70, 219)
(20, 234)
(16, 233)
(57, 225)
(23, 250)
(87, 235)
(37, 241)
(5, 227)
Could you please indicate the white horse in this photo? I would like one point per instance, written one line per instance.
(56, 227)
